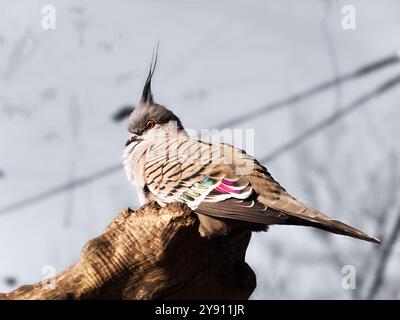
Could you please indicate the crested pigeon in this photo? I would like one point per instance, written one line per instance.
(227, 188)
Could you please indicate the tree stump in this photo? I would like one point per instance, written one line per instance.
(153, 253)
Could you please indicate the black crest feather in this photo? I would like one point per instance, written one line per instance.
(147, 95)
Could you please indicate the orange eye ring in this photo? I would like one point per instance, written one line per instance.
(150, 124)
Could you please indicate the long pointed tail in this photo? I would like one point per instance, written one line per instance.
(299, 214)
(333, 226)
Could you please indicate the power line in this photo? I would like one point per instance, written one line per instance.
(60, 189)
(273, 155)
(332, 119)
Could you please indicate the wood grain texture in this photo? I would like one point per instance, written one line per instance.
(153, 253)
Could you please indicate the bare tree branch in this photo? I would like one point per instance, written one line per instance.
(286, 102)
(332, 119)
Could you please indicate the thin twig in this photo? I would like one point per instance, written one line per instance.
(385, 254)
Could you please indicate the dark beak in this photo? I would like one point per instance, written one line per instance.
(131, 139)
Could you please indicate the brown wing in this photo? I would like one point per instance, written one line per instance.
(273, 195)
(255, 196)
(281, 207)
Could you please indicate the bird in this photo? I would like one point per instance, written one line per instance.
(225, 187)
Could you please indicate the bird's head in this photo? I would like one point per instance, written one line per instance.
(150, 118)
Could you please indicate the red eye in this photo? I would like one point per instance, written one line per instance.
(150, 124)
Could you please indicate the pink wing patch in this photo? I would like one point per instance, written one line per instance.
(226, 187)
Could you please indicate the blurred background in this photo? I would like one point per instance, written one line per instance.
(273, 66)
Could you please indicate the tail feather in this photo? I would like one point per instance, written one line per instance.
(252, 211)
(274, 196)
(300, 214)
(333, 226)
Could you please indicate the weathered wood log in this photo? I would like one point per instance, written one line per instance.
(153, 253)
